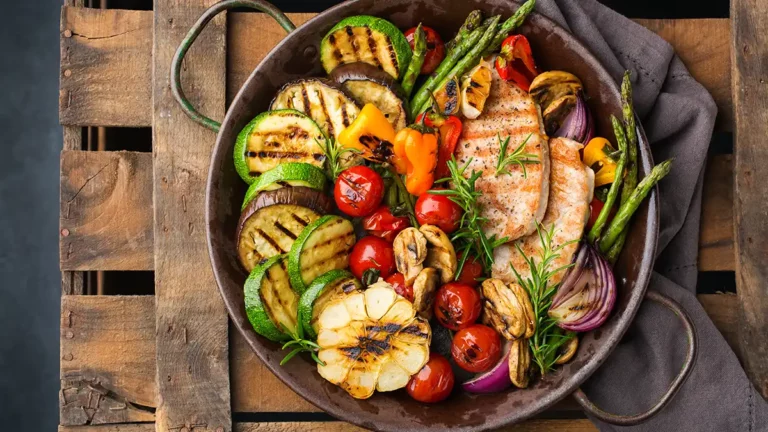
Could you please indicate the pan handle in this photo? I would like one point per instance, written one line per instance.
(194, 32)
(690, 359)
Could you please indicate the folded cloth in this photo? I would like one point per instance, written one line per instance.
(678, 116)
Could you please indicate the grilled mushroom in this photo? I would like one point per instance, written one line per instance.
(410, 252)
(502, 310)
(424, 290)
(525, 303)
(567, 351)
(441, 255)
(519, 362)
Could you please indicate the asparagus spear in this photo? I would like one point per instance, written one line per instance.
(510, 24)
(630, 180)
(469, 60)
(417, 60)
(613, 192)
(422, 95)
(628, 209)
(473, 21)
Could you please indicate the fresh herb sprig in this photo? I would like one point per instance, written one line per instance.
(518, 156)
(299, 345)
(470, 237)
(333, 153)
(548, 338)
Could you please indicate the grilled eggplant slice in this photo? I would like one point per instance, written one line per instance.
(369, 84)
(322, 246)
(320, 292)
(274, 219)
(321, 99)
(275, 137)
(270, 303)
(371, 340)
(366, 39)
(287, 174)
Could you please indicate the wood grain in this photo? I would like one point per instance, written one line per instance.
(106, 74)
(106, 359)
(106, 211)
(749, 51)
(191, 321)
(716, 235)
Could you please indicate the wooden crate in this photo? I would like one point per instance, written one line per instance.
(168, 362)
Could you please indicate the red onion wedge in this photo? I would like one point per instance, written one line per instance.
(494, 380)
(587, 295)
(579, 124)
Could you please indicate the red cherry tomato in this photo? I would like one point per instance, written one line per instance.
(382, 223)
(457, 305)
(358, 191)
(595, 207)
(372, 253)
(435, 48)
(438, 210)
(471, 271)
(433, 382)
(397, 281)
(476, 348)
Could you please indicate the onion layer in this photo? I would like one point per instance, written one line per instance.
(579, 124)
(587, 295)
(494, 380)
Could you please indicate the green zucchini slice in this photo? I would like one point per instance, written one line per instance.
(270, 303)
(322, 290)
(288, 174)
(324, 245)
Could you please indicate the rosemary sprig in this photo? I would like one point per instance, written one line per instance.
(548, 338)
(470, 237)
(333, 153)
(299, 345)
(518, 156)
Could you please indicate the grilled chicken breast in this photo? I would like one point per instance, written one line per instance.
(570, 191)
(513, 203)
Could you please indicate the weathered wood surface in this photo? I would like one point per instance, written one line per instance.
(124, 325)
(97, 40)
(191, 321)
(701, 43)
(106, 211)
(716, 235)
(749, 52)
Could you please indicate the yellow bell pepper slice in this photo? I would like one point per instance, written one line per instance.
(597, 156)
(371, 134)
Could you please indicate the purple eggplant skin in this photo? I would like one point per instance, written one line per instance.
(363, 71)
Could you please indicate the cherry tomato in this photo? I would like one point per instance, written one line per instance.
(476, 348)
(358, 191)
(397, 281)
(372, 252)
(382, 223)
(457, 305)
(595, 207)
(433, 382)
(438, 210)
(435, 48)
(471, 271)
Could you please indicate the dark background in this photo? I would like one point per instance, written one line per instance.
(29, 193)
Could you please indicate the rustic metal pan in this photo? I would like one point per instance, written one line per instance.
(297, 56)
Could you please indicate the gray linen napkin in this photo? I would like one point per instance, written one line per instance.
(678, 116)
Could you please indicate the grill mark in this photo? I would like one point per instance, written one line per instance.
(299, 220)
(328, 121)
(352, 352)
(414, 330)
(372, 46)
(474, 83)
(270, 240)
(305, 99)
(285, 230)
(352, 41)
(392, 56)
(287, 155)
(344, 115)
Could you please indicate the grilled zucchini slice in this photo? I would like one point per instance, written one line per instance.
(270, 303)
(322, 290)
(276, 137)
(273, 220)
(320, 99)
(369, 40)
(289, 174)
(324, 245)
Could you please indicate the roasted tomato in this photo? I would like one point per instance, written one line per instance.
(435, 48)
(372, 253)
(471, 272)
(358, 191)
(433, 382)
(595, 207)
(438, 210)
(476, 348)
(457, 305)
(397, 281)
(382, 223)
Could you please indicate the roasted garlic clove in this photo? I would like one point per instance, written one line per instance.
(424, 290)
(410, 252)
(502, 310)
(440, 255)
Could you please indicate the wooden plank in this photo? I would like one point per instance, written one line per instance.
(106, 75)
(716, 236)
(703, 46)
(749, 50)
(106, 211)
(140, 427)
(103, 374)
(191, 321)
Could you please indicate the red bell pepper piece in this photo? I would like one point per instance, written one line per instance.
(450, 131)
(515, 62)
(382, 223)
